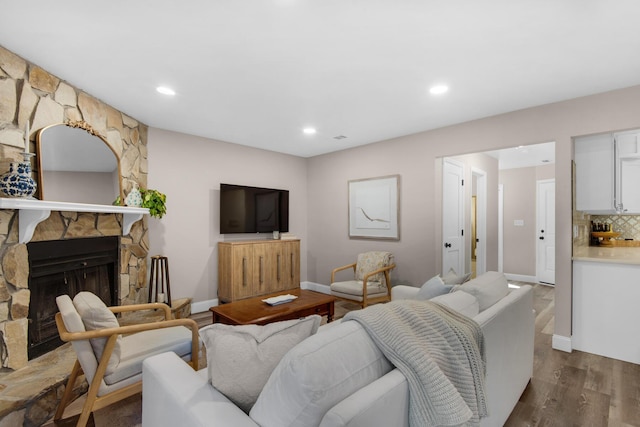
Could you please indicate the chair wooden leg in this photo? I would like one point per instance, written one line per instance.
(87, 408)
(68, 391)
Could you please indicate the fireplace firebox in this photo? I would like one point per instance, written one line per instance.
(67, 267)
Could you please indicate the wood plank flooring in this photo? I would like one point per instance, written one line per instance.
(575, 389)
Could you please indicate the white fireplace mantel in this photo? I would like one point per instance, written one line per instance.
(33, 212)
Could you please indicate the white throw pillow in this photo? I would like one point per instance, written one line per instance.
(433, 288)
(488, 288)
(241, 358)
(95, 315)
(452, 278)
(317, 374)
(461, 302)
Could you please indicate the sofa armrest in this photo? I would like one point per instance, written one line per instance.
(173, 394)
(508, 327)
(384, 402)
(404, 292)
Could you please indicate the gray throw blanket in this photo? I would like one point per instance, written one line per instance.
(439, 351)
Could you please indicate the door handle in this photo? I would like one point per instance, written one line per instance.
(541, 237)
(447, 245)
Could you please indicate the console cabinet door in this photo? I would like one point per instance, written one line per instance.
(291, 279)
(235, 272)
(264, 260)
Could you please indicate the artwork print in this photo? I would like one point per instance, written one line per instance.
(373, 208)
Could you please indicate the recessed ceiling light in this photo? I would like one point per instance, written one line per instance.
(309, 131)
(438, 89)
(165, 90)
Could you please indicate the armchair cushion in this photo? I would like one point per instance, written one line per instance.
(95, 315)
(137, 347)
(241, 358)
(354, 288)
(370, 261)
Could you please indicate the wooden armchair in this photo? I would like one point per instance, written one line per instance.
(110, 355)
(371, 283)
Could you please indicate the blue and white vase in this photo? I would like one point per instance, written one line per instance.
(18, 182)
(134, 198)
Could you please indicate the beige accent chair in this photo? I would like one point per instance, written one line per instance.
(371, 282)
(111, 355)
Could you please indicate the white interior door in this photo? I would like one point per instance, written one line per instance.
(452, 216)
(545, 220)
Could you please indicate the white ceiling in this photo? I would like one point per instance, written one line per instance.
(525, 156)
(256, 72)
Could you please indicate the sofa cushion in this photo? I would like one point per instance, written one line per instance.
(95, 315)
(488, 288)
(432, 288)
(461, 302)
(452, 278)
(317, 374)
(241, 358)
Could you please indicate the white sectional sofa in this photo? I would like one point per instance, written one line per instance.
(338, 377)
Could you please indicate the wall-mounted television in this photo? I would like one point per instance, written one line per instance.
(246, 209)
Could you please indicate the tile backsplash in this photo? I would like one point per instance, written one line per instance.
(627, 225)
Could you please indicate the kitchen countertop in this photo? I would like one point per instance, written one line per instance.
(615, 255)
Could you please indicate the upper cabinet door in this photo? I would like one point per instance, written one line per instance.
(628, 165)
(594, 173)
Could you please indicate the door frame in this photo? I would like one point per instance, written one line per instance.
(480, 177)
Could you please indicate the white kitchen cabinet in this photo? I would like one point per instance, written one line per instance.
(605, 309)
(628, 165)
(594, 173)
(608, 173)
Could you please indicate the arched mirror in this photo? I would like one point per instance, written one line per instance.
(76, 165)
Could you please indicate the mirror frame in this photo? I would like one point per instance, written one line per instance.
(91, 131)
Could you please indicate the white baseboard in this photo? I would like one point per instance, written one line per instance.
(318, 287)
(202, 306)
(521, 278)
(559, 342)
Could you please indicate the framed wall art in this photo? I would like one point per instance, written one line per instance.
(374, 208)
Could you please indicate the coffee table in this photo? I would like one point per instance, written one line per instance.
(255, 311)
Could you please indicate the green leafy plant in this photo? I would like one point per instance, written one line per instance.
(155, 201)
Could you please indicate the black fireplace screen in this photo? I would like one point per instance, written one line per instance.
(67, 267)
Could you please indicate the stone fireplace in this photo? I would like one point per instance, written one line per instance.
(29, 93)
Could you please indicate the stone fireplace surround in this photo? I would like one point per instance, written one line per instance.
(29, 93)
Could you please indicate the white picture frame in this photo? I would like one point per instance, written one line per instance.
(374, 208)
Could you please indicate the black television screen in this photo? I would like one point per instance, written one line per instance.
(246, 209)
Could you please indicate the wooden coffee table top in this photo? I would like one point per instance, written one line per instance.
(255, 311)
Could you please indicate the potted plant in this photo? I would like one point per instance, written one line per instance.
(153, 200)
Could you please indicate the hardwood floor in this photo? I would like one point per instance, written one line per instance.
(575, 389)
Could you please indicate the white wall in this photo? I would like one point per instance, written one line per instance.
(189, 170)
